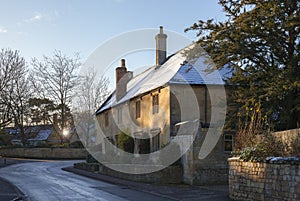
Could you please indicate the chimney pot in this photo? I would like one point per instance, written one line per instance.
(122, 62)
(161, 29)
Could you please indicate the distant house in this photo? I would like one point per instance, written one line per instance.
(45, 135)
(150, 105)
(36, 135)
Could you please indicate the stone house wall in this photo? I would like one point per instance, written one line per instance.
(264, 181)
(214, 168)
(148, 124)
(178, 104)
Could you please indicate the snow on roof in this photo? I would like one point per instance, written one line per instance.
(42, 135)
(148, 80)
(28, 130)
(12, 131)
(174, 71)
(283, 160)
(199, 74)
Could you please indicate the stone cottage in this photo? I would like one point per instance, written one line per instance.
(37, 135)
(166, 103)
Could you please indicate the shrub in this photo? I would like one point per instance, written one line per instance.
(268, 146)
(42, 145)
(125, 142)
(251, 154)
(271, 145)
(63, 145)
(4, 138)
(250, 127)
(77, 144)
(91, 159)
(254, 140)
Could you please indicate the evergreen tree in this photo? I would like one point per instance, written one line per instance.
(260, 39)
(40, 110)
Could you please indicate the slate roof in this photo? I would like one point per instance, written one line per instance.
(174, 71)
(12, 131)
(41, 132)
(42, 135)
(198, 74)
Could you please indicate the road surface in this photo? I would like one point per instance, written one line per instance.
(45, 181)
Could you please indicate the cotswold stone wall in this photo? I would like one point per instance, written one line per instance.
(290, 139)
(44, 153)
(279, 180)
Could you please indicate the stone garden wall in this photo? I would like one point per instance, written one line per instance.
(277, 179)
(290, 140)
(44, 153)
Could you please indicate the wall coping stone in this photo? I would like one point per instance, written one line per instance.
(271, 160)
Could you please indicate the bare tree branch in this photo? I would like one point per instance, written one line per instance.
(56, 77)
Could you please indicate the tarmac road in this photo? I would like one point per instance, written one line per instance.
(46, 181)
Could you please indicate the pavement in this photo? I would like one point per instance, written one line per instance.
(9, 192)
(170, 192)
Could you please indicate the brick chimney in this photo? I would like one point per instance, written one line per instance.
(161, 47)
(55, 121)
(122, 78)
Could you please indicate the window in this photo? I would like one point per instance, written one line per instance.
(119, 110)
(155, 133)
(155, 104)
(228, 142)
(137, 109)
(155, 143)
(106, 119)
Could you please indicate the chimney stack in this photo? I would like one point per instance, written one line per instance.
(122, 78)
(55, 120)
(161, 47)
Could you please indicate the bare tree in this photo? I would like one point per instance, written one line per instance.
(92, 91)
(16, 91)
(11, 65)
(10, 62)
(57, 77)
